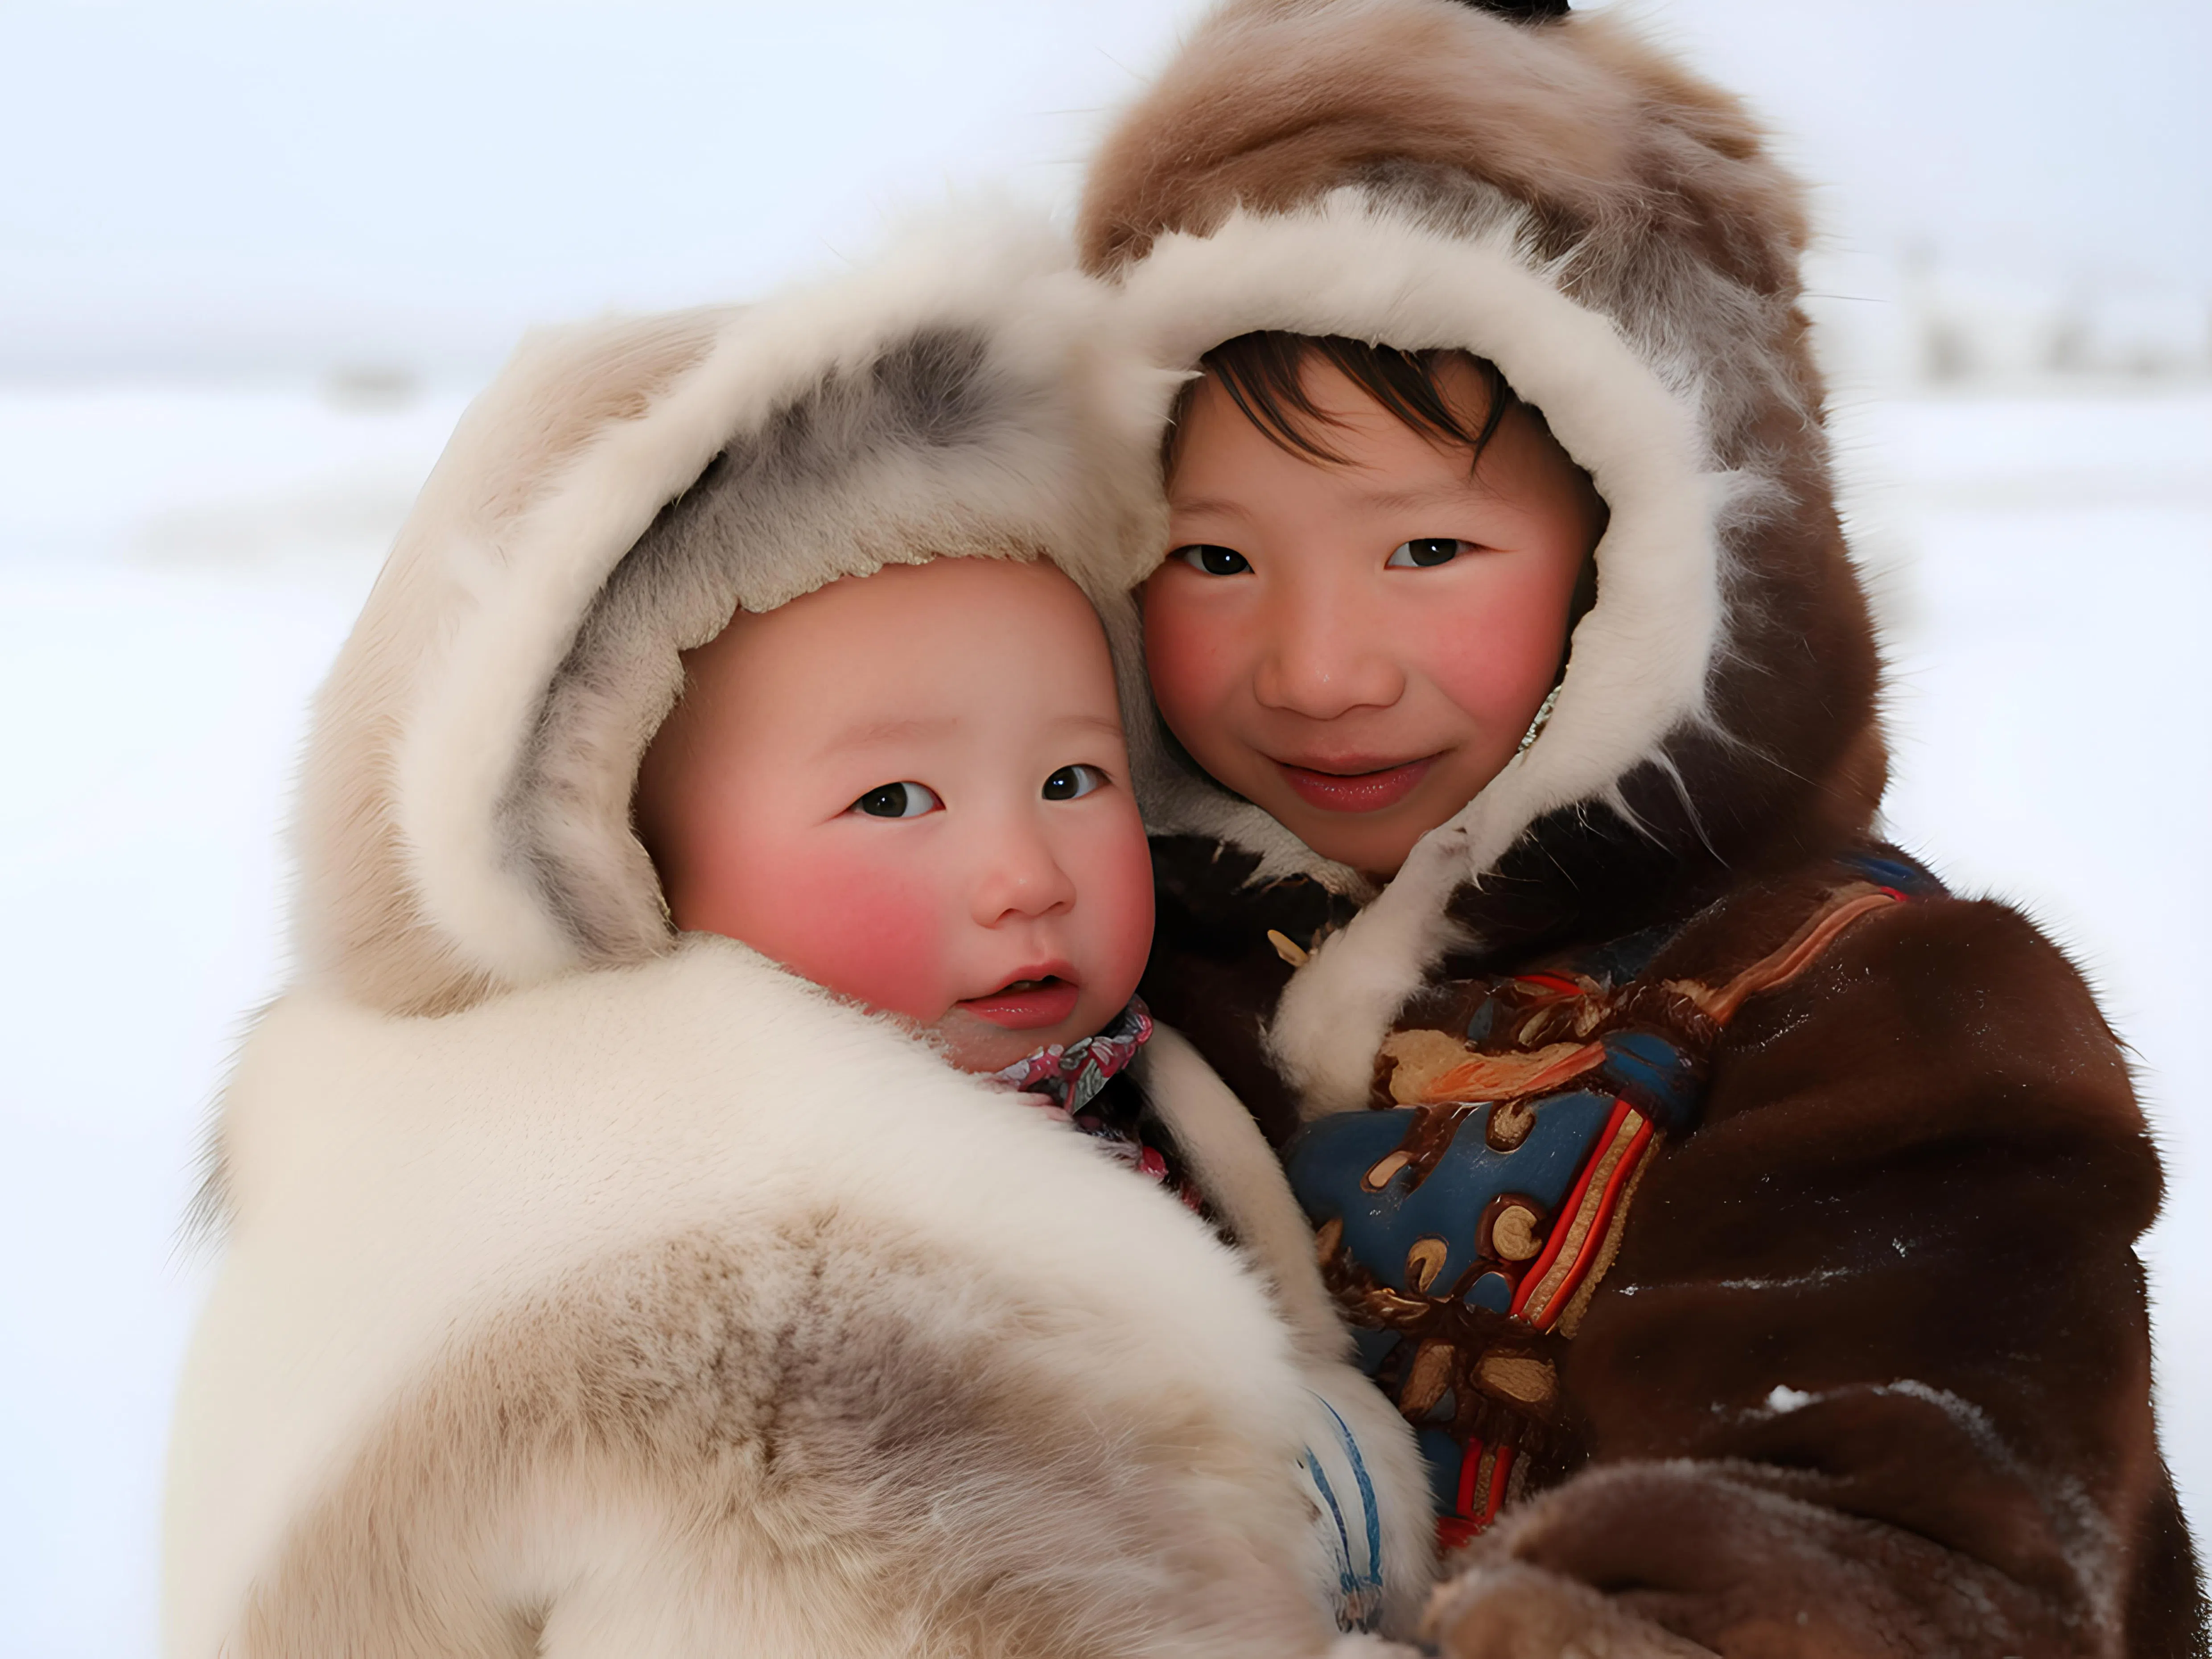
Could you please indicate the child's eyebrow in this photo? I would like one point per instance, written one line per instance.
(1391, 501)
(877, 733)
(1381, 500)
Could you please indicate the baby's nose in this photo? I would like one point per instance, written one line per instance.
(1018, 875)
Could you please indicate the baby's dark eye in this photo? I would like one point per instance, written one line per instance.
(1074, 782)
(896, 800)
(1212, 561)
(1425, 551)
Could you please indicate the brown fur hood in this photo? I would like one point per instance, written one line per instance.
(1613, 233)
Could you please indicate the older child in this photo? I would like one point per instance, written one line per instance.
(1745, 1225)
(590, 1288)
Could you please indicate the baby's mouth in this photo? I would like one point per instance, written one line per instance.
(1027, 1004)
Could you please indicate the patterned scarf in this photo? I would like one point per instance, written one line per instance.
(1071, 1074)
(1067, 1081)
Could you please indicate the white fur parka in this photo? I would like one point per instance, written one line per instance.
(589, 1291)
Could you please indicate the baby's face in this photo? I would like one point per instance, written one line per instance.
(912, 787)
(1359, 648)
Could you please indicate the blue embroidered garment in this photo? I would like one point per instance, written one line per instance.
(1464, 1220)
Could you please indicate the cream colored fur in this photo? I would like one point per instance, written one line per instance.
(590, 1292)
(523, 1308)
(1352, 265)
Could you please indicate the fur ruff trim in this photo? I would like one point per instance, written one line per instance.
(1640, 658)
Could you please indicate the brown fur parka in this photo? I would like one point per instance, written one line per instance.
(1864, 1366)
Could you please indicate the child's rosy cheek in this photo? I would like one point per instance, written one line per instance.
(1187, 662)
(860, 926)
(1521, 636)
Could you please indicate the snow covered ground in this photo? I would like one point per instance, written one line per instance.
(178, 566)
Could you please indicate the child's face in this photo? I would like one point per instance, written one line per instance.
(1359, 648)
(912, 787)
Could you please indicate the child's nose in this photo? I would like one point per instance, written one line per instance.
(1325, 658)
(1017, 876)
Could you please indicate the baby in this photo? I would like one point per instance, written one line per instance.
(593, 1284)
(929, 763)
(929, 760)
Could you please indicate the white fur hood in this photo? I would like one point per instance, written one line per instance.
(621, 487)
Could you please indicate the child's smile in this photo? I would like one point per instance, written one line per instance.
(1355, 784)
(1358, 645)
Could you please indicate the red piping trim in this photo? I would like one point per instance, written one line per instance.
(1600, 1224)
(1498, 1471)
(1470, 1460)
(1563, 1220)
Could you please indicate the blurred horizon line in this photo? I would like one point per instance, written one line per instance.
(1908, 321)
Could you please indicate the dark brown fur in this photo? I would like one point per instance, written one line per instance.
(1922, 1169)
(1913, 1198)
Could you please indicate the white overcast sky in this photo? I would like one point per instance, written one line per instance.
(199, 186)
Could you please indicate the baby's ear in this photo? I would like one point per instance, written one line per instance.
(1521, 11)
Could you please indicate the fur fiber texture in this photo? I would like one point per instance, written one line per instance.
(1637, 675)
(653, 1311)
(590, 1292)
(1869, 1374)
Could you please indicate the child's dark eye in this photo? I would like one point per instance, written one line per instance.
(896, 800)
(1424, 552)
(1074, 782)
(1212, 561)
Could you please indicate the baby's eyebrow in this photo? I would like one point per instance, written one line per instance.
(876, 733)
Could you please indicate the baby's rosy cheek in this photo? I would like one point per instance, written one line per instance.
(868, 927)
(1131, 906)
(1114, 867)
